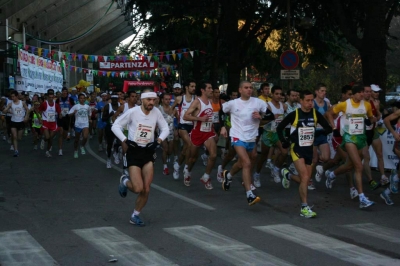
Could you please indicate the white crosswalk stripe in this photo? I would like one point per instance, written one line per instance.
(128, 251)
(20, 248)
(328, 245)
(224, 247)
(378, 231)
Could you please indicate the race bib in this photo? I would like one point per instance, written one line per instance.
(215, 117)
(36, 122)
(19, 112)
(51, 116)
(356, 125)
(205, 126)
(306, 136)
(143, 134)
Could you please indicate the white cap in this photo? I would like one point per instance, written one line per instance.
(177, 85)
(375, 88)
(74, 89)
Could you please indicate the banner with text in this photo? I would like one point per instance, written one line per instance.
(127, 65)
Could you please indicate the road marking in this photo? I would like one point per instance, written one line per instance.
(128, 251)
(20, 248)
(164, 190)
(224, 247)
(328, 245)
(385, 233)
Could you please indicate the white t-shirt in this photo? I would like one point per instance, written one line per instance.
(244, 127)
(141, 127)
(82, 115)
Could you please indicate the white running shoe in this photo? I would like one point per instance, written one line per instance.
(256, 180)
(48, 154)
(83, 152)
(275, 175)
(176, 171)
(186, 177)
(319, 173)
(269, 165)
(220, 178)
(108, 163)
(11, 147)
(353, 193)
(206, 182)
(204, 157)
(42, 144)
(116, 158)
(293, 169)
(51, 148)
(120, 153)
(311, 185)
(60, 153)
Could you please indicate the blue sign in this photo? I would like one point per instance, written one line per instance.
(289, 59)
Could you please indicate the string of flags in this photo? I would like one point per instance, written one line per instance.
(155, 56)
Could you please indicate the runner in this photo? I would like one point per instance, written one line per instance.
(93, 118)
(201, 112)
(49, 111)
(321, 104)
(19, 116)
(245, 113)
(82, 113)
(36, 118)
(303, 123)
(100, 123)
(177, 93)
(140, 149)
(108, 113)
(64, 123)
(169, 113)
(394, 177)
(356, 114)
(185, 127)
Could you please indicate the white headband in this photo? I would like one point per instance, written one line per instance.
(148, 95)
(114, 96)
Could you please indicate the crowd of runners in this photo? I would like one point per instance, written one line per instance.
(266, 132)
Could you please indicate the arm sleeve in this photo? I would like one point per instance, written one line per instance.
(121, 121)
(325, 125)
(269, 116)
(281, 127)
(162, 124)
(340, 107)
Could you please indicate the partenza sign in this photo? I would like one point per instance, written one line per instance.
(127, 65)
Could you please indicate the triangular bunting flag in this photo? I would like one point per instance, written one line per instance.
(111, 58)
(85, 56)
(105, 58)
(45, 52)
(96, 58)
(26, 47)
(173, 51)
(79, 57)
(100, 58)
(108, 73)
(149, 58)
(167, 56)
(179, 56)
(39, 51)
(33, 49)
(60, 54)
(174, 56)
(186, 54)
(191, 53)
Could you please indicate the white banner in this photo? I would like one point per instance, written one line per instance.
(20, 84)
(39, 86)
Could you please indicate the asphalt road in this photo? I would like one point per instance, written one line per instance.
(66, 211)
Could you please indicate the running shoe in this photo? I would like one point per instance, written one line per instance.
(165, 171)
(373, 185)
(252, 187)
(275, 175)
(16, 153)
(42, 144)
(319, 173)
(207, 183)
(83, 152)
(48, 154)
(353, 193)
(226, 183)
(269, 165)
(122, 189)
(136, 220)
(176, 171)
(252, 199)
(120, 153)
(293, 169)
(307, 212)
(60, 153)
(51, 148)
(116, 158)
(35, 147)
(76, 155)
(108, 163)
(285, 178)
(204, 157)
(394, 185)
(186, 177)
(365, 203)
(219, 174)
(386, 198)
(256, 180)
(384, 180)
(329, 181)
(234, 158)
(311, 185)
(11, 147)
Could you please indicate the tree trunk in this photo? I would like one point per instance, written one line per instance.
(233, 70)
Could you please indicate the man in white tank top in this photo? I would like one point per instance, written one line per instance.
(19, 117)
(201, 113)
(184, 127)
